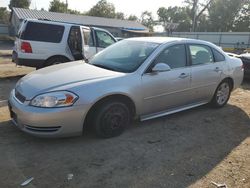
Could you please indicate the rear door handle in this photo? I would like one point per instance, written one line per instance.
(183, 75)
(217, 69)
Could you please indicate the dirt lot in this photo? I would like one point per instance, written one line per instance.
(187, 149)
(8, 68)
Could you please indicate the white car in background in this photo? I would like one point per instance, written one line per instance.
(41, 43)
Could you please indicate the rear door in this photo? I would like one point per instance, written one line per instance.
(75, 42)
(89, 48)
(206, 72)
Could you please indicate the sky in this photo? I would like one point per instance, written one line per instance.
(135, 7)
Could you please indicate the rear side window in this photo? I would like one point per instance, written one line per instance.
(218, 56)
(43, 32)
(21, 28)
(200, 54)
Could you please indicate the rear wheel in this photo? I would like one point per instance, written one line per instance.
(222, 94)
(111, 119)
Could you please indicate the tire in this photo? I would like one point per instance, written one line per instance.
(222, 94)
(55, 61)
(111, 119)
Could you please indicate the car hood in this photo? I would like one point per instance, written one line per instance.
(57, 76)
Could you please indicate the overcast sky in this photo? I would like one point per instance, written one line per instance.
(126, 6)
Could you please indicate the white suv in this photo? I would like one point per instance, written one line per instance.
(40, 43)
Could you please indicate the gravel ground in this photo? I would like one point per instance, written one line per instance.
(187, 149)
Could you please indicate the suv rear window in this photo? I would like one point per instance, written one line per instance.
(43, 32)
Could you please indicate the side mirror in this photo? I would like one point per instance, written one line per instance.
(161, 67)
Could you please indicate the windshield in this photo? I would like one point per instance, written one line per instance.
(124, 56)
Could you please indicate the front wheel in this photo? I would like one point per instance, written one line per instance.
(222, 94)
(111, 119)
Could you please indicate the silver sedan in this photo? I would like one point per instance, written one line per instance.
(140, 78)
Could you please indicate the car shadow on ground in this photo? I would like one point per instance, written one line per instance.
(246, 84)
(173, 151)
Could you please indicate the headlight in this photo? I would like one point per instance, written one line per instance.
(54, 99)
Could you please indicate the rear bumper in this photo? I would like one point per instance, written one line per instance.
(30, 62)
(44, 122)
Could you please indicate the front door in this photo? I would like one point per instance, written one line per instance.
(170, 89)
(103, 39)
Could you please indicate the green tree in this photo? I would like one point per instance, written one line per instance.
(175, 14)
(133, 18)
(4, 15)
(70, 11)
(103, 9)
(58, 6)
(120, 15)
(19, 4)
(242, 22)
(147, 20)
(223, 14)
(203, 23)
(196, 8)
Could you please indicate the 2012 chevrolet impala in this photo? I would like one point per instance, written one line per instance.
(139, 77)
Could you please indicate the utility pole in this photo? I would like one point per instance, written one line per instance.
(195, 7)
(66, 6)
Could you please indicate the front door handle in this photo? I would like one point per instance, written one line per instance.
(183, 75)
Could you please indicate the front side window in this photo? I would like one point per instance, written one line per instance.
(174, 56)
(104, 39)
(43, 32)
(200, 54)
(124, 56)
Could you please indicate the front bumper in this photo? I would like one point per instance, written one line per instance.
(47, 122)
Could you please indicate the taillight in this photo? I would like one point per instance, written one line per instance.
(26, 47)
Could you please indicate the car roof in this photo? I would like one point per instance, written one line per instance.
(53, 22)
(47, 21)
(161, 40)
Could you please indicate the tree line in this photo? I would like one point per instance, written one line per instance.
(194, 15)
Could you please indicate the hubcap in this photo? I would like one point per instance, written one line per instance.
(114, 118)
(222, 93)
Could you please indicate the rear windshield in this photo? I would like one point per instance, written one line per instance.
(43, 32)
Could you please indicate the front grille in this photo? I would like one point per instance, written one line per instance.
(42, 129)
(19, 96)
